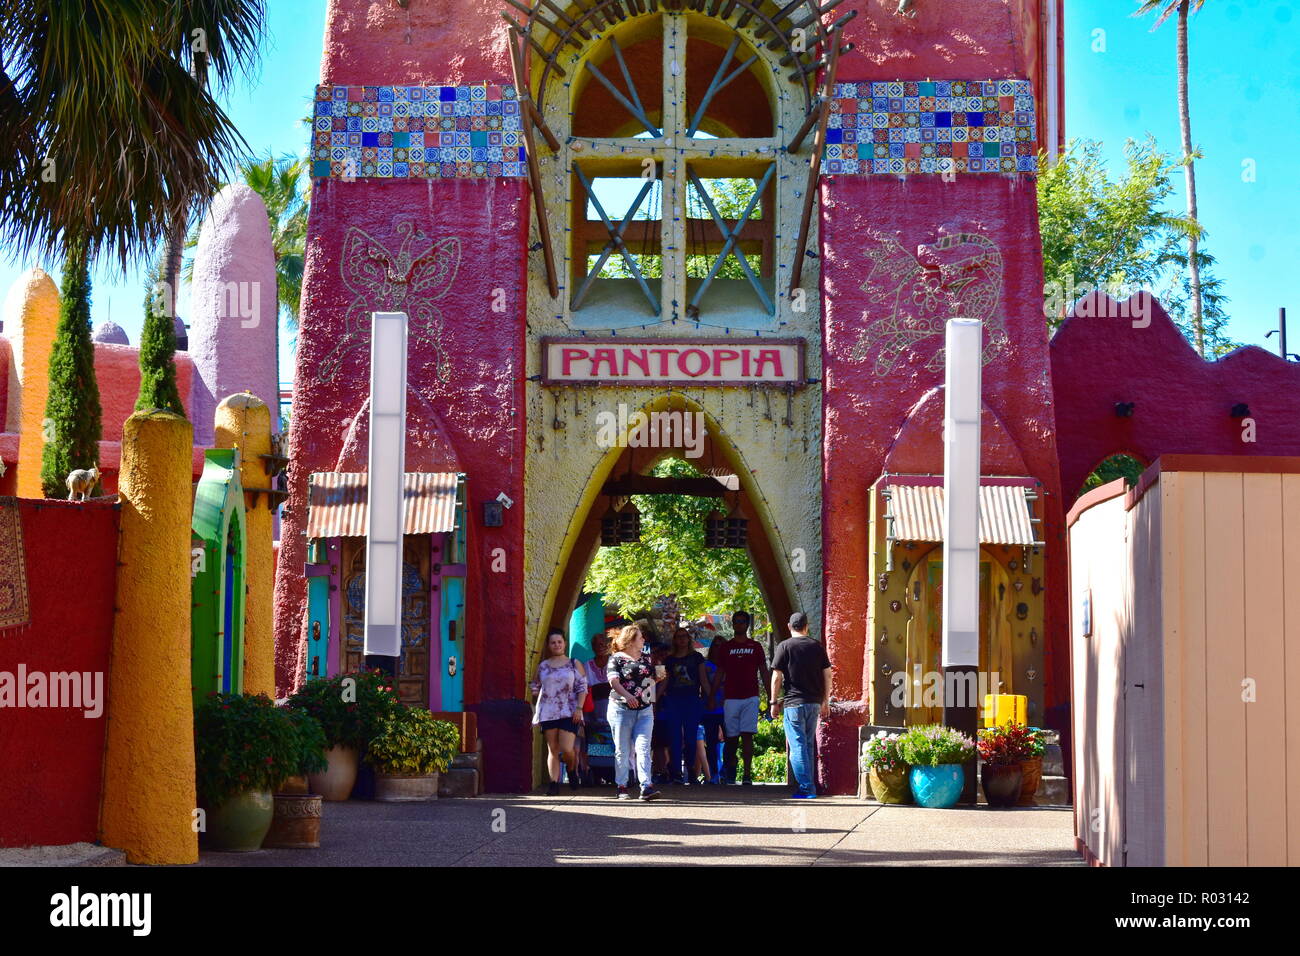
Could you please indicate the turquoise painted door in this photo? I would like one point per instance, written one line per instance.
(452, 635)
(318, 626)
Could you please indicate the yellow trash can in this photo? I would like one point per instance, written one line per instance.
(1000, 709)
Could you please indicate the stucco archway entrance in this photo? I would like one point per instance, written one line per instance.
(624, 469)
(715, 453)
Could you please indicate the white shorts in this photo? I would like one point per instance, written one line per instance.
(740, 716)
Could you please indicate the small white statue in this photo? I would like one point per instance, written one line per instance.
(905, 9)
(81, 482)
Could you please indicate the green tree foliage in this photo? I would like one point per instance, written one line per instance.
(729, 198)
(158, 351)
(72, 411)
(1114, 233)
(671, 558)
(1116, 466)
(109, 134)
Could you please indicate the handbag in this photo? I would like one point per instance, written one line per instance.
(588, 705)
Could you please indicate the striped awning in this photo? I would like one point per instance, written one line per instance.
(337, 503)
(917, 514)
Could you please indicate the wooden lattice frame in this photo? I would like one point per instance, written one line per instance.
(548, 28)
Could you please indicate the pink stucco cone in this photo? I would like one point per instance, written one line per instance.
(233, 330)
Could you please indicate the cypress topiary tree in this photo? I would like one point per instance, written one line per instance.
(158, 350)
(72, 411)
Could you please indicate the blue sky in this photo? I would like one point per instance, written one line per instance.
(1120, 83)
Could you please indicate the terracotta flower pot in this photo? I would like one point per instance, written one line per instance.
(240, 823)
(296, 784)
(1001, 783)
(1032, 775)
(336, 782)
(406, 787)
(890, 786)
(296, 824)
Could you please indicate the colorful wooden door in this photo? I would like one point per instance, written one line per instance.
(924, 600)
(413, 668)
(452, 629)
(413, 672)
(318, 625)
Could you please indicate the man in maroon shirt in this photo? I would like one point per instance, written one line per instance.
(742, 664)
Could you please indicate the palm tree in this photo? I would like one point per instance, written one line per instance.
(109, 137)
(285, 190)
(1184, 9)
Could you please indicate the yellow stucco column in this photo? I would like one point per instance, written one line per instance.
(149, 796)
(31, 319)
(243, 421)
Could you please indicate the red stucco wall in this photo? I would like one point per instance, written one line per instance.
(51, 782)
(1100, 357)
(474, 389)
(864, 409)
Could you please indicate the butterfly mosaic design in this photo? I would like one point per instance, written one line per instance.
(382, 281)
(912, 296)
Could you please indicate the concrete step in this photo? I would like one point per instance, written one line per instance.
(458, 782)
(468, 761)
(1053, 791)
(1053, 762)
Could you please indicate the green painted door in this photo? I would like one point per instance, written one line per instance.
(452, 634)
(318, 626)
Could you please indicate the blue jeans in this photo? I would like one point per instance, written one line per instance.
(712, 724)
(631, 730)
(801, 733)
(682, 715)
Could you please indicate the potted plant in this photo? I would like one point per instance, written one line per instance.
(296, 822)
(1031, 768)
(408, 754)
(887, 768)
(1002, 750)
(936, 755)
(350, 709)
(244, 747)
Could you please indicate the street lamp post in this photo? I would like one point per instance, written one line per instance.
(961, 540)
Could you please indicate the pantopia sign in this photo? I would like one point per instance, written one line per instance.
(627, 361)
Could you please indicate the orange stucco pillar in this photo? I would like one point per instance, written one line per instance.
(243, 421)
(31, 318)
(149, 797)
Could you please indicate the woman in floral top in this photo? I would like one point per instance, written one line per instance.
(560, 688)
(631, 709)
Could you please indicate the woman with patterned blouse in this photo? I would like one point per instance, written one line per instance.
(631, 709)
(560, 687)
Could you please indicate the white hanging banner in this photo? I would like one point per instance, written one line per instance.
(961, 492)
(387, 465)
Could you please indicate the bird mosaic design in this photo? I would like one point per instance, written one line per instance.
(381, 281)
(913, 296)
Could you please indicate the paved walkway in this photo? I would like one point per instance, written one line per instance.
(740, 826)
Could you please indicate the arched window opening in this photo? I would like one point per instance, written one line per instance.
(1120, 465)
(674, 197)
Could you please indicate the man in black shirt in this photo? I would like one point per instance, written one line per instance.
(802, 669)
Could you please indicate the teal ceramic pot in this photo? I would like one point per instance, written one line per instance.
(937, 787)
(240, 824)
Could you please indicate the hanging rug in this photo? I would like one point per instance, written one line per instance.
(14, 609)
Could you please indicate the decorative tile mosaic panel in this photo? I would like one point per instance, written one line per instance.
(966, 126)
(417, 132)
